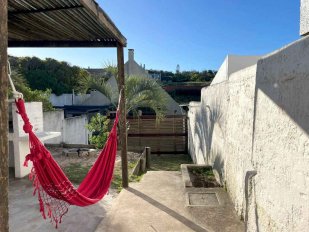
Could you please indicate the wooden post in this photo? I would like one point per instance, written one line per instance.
(4, 168)
(122, 118)
(148, 157)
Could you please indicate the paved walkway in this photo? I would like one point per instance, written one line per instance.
(25, 215)
(158, 204)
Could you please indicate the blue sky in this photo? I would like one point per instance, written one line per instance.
(196, 34)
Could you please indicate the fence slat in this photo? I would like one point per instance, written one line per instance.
(167, 136)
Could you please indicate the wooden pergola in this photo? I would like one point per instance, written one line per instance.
(53, 23)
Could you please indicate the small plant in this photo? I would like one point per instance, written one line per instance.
(203, 177)
(205, 172)
(98, 126)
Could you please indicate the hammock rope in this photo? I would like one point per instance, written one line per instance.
(54, 190)
(16, 94)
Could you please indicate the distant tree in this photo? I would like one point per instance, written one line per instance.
(29, 95)
(60, 77)
(177, 69)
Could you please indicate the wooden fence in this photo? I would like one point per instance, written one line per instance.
(168, 136)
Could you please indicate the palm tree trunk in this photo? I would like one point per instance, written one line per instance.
(4, 209)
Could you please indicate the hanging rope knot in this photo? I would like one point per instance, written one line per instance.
(27, 127)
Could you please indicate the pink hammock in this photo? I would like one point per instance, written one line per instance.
(55, 192)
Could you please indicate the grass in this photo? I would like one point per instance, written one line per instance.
(202, 171)
(169, 162)
(117, 179)
(76, 172)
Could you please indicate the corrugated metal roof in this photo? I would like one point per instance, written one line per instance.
(60, 23)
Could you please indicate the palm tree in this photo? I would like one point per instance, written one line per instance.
(139, 91)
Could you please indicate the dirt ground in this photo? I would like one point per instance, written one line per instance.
(85, 160)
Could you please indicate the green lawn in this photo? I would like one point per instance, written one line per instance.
(168, 162)
(77, 172)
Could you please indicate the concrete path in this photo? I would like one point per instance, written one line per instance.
(158, 204)
(25, 215)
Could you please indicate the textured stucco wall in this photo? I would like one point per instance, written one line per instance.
(258, 120)
(281, 141)
(304, 17)
(73, 130)
(238, 134)
(53, 121)
(231, 64)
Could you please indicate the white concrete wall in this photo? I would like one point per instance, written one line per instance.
(94, 98)
(63, 99)
(304, 17)
(258, 120)
(53, 121)
(231, 64)
(73, 130)
(281, 139)
(222, 74)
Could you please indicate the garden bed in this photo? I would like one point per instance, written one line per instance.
(199, 176)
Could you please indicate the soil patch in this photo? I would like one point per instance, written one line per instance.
(202, 177)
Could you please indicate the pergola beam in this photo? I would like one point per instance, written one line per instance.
(104, 19)
(62, 44)
(4, 169)
(44, 10)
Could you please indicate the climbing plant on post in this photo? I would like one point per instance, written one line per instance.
(4, 209)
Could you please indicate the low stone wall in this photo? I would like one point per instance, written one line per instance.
(257, 120)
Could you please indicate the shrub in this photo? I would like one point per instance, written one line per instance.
(98, 126)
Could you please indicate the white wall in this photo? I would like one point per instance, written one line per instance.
(73, 130)
(63, 99)
(258, 120)
(53, 121)
(231, 64)
(95, 98)
(304, 17)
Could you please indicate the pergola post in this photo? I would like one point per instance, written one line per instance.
(4, 170)
(122, 118)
